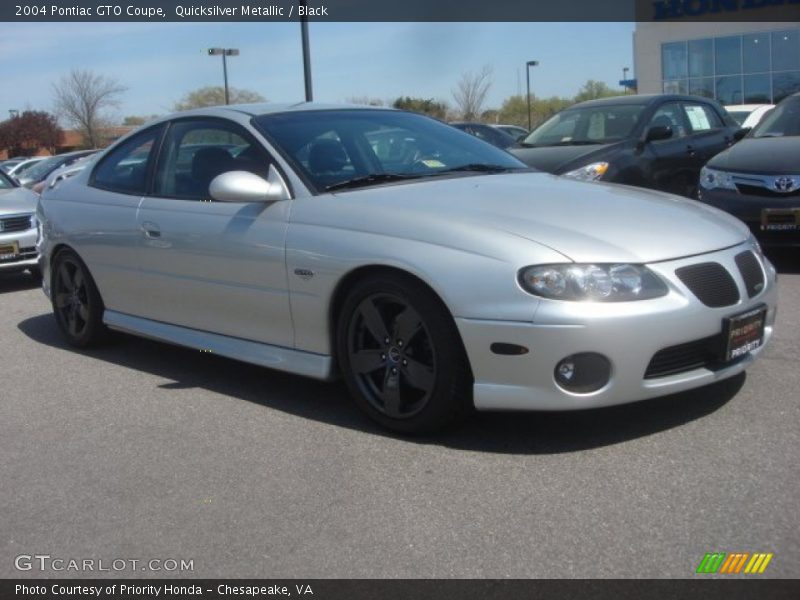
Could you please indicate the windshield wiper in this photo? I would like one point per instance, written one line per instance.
(476, 167)
(578, 143)
(369, 179)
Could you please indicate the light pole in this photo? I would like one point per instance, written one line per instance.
(625, 77)
(528, 65)
(306, 54)
(224, 52)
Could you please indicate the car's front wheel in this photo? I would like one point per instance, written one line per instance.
(401, 355)
(76, 302)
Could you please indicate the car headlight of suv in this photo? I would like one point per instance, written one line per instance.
(711, 178)
(590, 282)
(590, 172)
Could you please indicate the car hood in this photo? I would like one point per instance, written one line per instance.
(586, 222)
(769, 155)
(17, 200)
(556, 159)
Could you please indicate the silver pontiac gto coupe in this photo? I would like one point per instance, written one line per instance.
(429, 269)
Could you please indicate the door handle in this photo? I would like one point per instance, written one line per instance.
(151, 230)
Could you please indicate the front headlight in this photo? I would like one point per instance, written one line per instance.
(711, 178)
(598, 283)
(590, 172)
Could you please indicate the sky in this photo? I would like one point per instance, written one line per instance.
(160, 62)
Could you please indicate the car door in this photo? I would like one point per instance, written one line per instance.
(669, 163)
(208, 265)
(104, 218)
(709, 134)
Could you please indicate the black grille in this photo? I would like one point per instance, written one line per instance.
(751, 272)
(685, 357)
(15, 224)
(711, 283)
(762, 192)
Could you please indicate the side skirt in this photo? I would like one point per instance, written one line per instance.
(318, 366)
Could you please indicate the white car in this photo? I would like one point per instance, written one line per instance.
(437, 275)
(749, 115)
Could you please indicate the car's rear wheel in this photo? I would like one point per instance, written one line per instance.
(76, 302)
(401, 355)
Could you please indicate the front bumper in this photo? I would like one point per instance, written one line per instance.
(25, 242)
(629, 334)
(748, 208)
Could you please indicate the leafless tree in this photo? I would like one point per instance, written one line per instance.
(81, 99)
(470, 93)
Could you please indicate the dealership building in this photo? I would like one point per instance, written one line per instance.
(734, 62)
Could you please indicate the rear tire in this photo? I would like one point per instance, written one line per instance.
(77, 305)
(401, 355)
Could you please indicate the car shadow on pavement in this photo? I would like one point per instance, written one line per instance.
(15, 282)
(513, 433)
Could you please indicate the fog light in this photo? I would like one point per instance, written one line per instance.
(583, 373)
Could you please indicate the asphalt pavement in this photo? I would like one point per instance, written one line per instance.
(145, 451)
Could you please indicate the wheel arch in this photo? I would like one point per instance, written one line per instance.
(350, 279)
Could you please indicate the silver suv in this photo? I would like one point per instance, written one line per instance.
(18, 229)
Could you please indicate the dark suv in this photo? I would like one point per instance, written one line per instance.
(758, 180)
(654, 141)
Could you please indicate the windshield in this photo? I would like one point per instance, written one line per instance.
(783, 120)
(588, 125)
(334, 147)
(41, 169)
(5, 182)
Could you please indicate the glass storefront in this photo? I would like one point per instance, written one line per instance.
(758, 68)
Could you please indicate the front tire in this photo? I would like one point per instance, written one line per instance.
(77, 305)
(401, 355)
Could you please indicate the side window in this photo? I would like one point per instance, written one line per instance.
(702, 117)
(195, 152)
(671, 115)
(124, 170)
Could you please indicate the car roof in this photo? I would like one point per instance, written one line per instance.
(642, 99)
(265, 108)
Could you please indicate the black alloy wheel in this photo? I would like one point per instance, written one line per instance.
(401, 355)
(76, 302)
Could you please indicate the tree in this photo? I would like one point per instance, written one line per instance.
(426, 106)
(470, 92)
(365, 101)
(214, 95)
(30, 131)
(136, 120)
(81, 99)
(514, 110)
(592, 90)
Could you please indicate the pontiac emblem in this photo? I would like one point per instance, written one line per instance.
(785, 184)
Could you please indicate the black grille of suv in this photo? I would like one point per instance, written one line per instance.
(711, 283)
(751, 272)
(15, 224)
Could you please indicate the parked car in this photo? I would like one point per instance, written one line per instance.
(9, 164)
(65, 172)
(748, 115)
(487, 133)
(18, 228)
(453, 278)
(22, 166)
(758, 179)
(654, 141)
(515, 131)
(42, 169)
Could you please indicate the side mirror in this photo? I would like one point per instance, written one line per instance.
(658, 132)
(741, 133)
(244, 186)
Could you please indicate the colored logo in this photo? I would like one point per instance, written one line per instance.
(735, 562)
